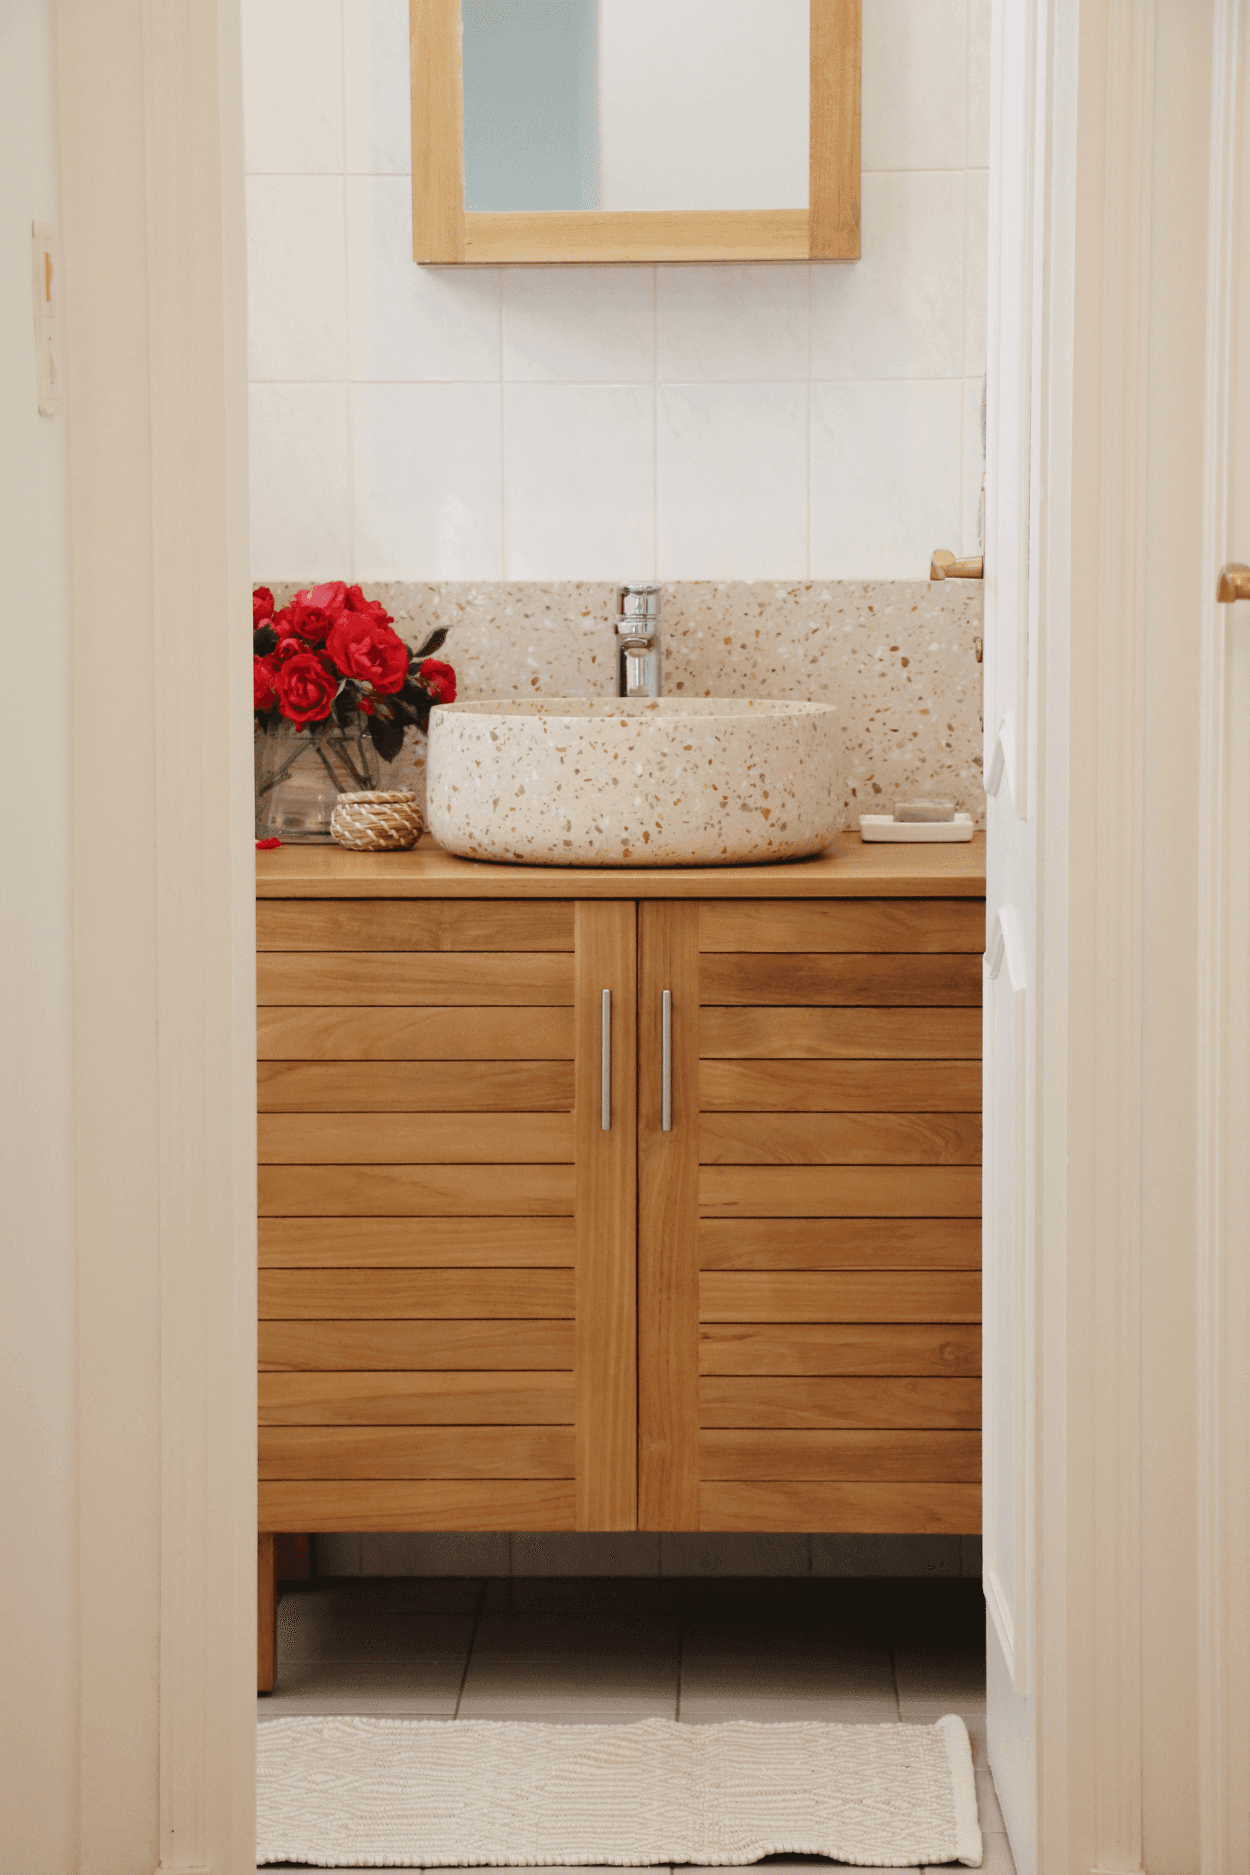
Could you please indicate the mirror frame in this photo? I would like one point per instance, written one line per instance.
(444, 234)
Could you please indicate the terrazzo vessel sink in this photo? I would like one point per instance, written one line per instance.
(575, 781)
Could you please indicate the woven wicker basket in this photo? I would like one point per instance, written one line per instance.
(377, 821)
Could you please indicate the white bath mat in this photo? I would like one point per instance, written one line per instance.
(412, 1793)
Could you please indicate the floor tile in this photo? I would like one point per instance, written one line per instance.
(590, 1598)
(959, 1678)
(551, 1637)
(309, 1631)
(590, 1689)
(425, 1689)
(764, 1705)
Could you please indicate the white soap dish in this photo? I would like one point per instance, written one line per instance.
(885, 827)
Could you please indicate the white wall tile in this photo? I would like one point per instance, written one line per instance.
(301, 511)
(975, 302)
(731, 481)
(588, 1553)
(408, 323)
(727, 322)
(973, 465)
(978, 83)
(914, 84)
(579, 496)
(886, 477)
(426, 481)
(296, 279)
(292, 86)
(430, 1553)
(579, 325)
(376, 87)
(899, 311)
(887, 1555)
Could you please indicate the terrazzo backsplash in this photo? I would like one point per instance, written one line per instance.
(897, 657)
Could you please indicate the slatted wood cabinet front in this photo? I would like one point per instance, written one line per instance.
(480, 1308)
(447, 1232)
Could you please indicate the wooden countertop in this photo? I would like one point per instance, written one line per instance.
(849, 869)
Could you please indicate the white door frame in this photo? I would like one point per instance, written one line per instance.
(156, 380)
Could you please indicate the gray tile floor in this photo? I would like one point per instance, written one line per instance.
(608, 1651)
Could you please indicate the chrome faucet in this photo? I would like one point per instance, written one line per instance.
(638, 672)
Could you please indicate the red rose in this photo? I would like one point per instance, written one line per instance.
(371, 608)
(365, 704)
(439, 679)
(306, 689)
(331, 597)
(371, 652)
(262, 606)
(287, 647)
(264, 683)
(312, 622)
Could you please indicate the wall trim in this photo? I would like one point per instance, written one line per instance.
(1223, 1109)
(1118, 930)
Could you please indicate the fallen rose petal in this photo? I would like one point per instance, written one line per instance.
(267, 846)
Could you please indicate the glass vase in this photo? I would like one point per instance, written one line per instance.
(300, 774)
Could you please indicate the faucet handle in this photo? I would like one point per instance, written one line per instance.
(638, 603)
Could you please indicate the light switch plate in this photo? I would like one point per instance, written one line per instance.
(45, 279)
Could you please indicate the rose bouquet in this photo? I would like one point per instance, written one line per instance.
(330, 655)
(334, 689)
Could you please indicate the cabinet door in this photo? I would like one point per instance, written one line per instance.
(809, 1223)
(447, 1226)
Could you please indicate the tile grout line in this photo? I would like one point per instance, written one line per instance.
(468, 1658)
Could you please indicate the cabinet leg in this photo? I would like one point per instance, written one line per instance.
(266, 1615)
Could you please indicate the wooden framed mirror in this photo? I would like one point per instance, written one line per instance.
(566, 131)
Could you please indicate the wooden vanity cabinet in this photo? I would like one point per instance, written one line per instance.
(481, 1308)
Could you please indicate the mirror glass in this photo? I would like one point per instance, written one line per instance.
(635, 104)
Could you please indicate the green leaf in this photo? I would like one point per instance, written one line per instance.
(388, 735)
(433, 643)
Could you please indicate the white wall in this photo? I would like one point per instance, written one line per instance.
(755, 422)
(38, 1475)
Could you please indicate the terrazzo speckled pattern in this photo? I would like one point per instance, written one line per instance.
(606, 782)
(897, 658)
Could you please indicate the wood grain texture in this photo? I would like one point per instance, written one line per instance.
(487, 1452)
(839, 1139)
(353, 1034)
(896, 1457)
(389, 978)
(856, 925)
(415, 1191)
(841, 1034)
(840, 1191)
(437, 1399)
(838, 1086)
(832, 1295)
(951, 979)
(849, 869)
(414, 925)
(418, 1295)
(437, 131)
(878, 1509)
(840, 1243)
(408, 1243)
(801, 1349)
(565, 237)
(416, 1504)
(414, 1087)
(606, 1362)
(787, 1403)
(362, 1347)
(668, 1246)
(325, 1139)
(834, 117)
(266, 1614)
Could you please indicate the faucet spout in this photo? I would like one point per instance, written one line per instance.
(639, 671)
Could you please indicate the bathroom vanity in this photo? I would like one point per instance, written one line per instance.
(614, 1199)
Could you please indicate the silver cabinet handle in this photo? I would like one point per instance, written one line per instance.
(666, 1060)
(605, 1061)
